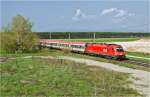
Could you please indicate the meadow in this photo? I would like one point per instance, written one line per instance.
(140, 54)
(103, 40)
(55, 77)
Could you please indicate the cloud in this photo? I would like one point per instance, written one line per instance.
(117, 13)
(121, 13)
(80, 15)
(114, 14)
(107, 11)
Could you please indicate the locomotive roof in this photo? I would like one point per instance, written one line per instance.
(105, 44)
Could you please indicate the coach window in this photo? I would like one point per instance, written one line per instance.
(55, 44)
(76, 46)
(83, 46)
(80, 46)
(61, 44)
(73, 46)
(66, 45)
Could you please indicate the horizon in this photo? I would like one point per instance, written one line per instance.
(80, 16)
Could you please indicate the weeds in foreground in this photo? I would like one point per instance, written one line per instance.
(51, 77)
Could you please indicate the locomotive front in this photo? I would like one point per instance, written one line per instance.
(119, 53)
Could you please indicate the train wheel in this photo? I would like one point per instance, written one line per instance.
(109, 57)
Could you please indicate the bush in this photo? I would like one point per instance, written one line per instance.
(9, 42)
(18, 36)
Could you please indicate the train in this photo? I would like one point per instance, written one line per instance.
(113, 51)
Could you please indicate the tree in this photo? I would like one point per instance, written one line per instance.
(21, 36)
(20, 24)
(8, 41)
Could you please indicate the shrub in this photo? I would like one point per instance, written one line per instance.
(19, 38)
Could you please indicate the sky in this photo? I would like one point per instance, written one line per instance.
(79, 15)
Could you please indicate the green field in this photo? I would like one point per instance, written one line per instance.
(55, 77)
(103, 40)
(140, 54)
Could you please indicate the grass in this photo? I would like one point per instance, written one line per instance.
(55, 77)
(3, 52)
(103, 40)
(139, 54)
(53, 52)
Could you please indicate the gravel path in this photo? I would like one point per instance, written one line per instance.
(140, 78)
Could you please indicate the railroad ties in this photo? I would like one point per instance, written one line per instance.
(137, 62)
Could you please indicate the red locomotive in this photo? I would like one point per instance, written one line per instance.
(107, 50)
(101, 49)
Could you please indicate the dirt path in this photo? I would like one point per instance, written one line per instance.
(140, 79)
(4, 59)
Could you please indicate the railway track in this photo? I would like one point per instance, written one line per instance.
(131, 61)
(137, 62)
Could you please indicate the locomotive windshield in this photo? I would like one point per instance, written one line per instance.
(119, 49)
